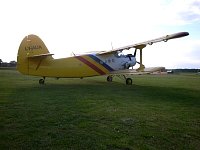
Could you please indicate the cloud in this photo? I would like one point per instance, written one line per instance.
(88, 25)
(191, 13)
(179, 53)
(182, 12)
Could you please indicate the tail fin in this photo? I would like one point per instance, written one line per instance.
(31, 50)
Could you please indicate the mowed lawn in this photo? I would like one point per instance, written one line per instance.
(156, 112)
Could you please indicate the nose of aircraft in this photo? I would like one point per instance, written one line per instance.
(132, 60)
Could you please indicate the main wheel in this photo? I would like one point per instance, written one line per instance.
(41, 81)
(129, 81)
(109, 78)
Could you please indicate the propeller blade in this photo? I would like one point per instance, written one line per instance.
(129, 56)
(135, 52)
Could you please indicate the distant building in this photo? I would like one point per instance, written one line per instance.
(170, 71)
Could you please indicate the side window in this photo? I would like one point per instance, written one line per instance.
(109, 60)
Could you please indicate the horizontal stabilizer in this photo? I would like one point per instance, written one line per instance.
(41, 55)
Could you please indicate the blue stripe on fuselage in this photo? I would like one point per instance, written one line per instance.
(101, 62)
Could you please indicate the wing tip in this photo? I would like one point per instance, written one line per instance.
(178, 35)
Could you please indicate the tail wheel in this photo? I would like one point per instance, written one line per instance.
(129, 81)
(109, 78)
(41, 81)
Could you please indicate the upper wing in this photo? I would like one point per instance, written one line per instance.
(150, 42)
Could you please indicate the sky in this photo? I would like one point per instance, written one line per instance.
(78, 26)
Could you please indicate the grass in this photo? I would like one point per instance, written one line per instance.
(157, 112)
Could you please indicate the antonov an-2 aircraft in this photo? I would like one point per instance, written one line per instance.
(34, 59)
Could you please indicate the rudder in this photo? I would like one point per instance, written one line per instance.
(30, 46)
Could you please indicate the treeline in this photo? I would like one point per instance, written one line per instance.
(6, 64)
(185, 70)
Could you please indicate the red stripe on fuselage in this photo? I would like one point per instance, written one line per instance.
(91, 65)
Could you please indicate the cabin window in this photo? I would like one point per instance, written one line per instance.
(109, 60)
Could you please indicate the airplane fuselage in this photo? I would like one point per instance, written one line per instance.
(79, 66)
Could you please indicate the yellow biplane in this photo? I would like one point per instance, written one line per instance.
(34, 59)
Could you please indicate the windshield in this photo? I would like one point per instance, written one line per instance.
(120, 54)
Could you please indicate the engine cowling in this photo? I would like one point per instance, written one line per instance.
(130, 63)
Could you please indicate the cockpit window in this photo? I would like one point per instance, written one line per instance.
(120, 54)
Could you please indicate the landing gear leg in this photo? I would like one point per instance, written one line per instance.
(109, 78)
(42, 81)
(128, 80)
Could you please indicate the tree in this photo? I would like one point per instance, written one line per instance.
(1, 62)
(13, 63)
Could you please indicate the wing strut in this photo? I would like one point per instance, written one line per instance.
(140, 47)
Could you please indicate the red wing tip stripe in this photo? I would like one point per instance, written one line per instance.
(91, 65)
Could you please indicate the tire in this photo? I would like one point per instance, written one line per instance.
(41, 81)
(109, 78)
(129, 81)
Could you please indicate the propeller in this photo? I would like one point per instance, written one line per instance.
(129, 56)
(133, 55)
(131, 61)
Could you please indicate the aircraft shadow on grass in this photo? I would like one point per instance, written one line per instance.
(98, 90)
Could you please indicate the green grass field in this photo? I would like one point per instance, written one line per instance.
(157, 112)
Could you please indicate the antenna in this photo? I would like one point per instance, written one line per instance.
(111, 45)
(73, 54)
